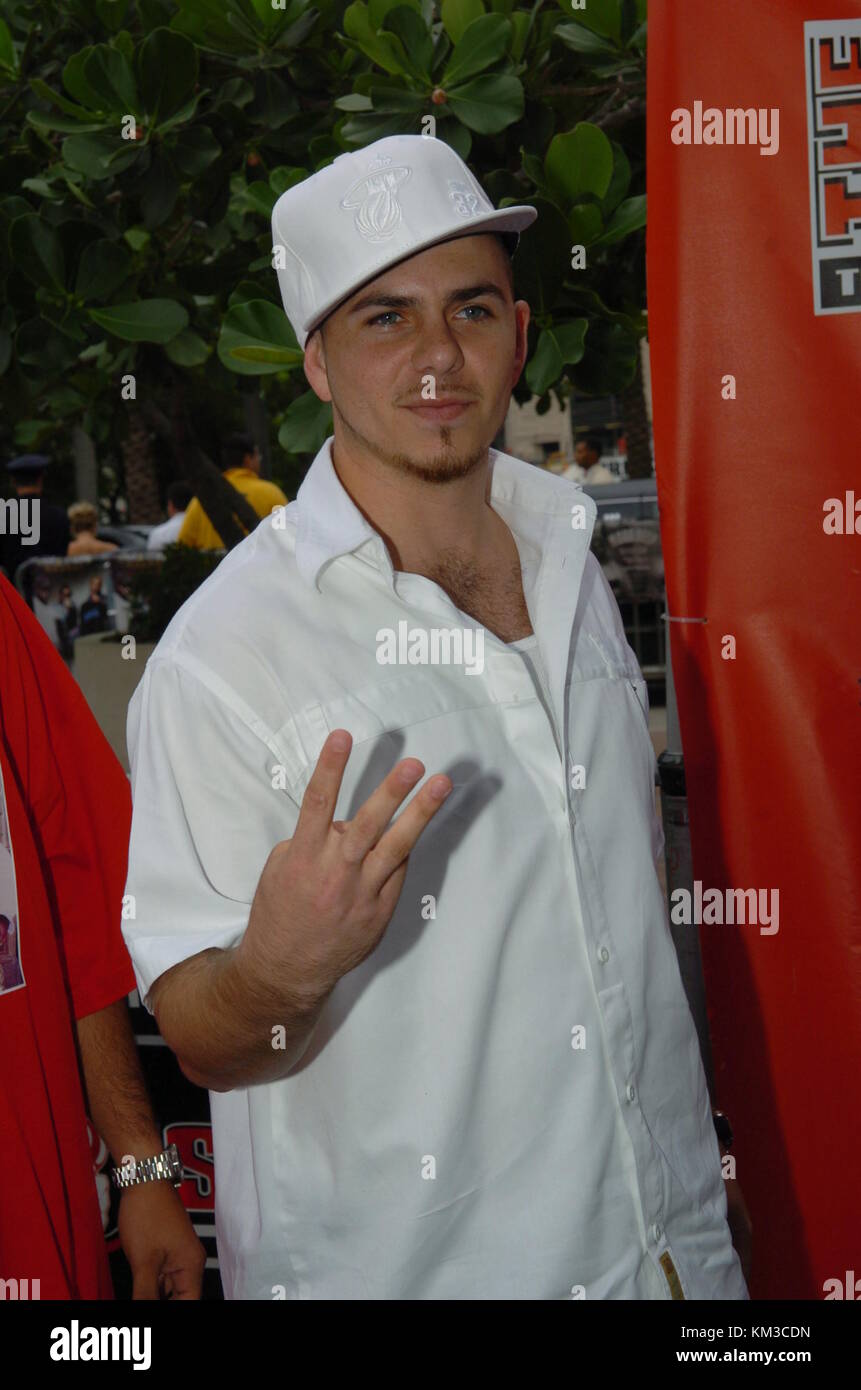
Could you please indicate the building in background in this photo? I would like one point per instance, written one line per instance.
(549, 439)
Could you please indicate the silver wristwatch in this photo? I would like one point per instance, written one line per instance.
(166, 1166)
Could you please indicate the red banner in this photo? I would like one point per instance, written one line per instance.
(754, 292)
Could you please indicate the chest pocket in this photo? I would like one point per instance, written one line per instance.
(379, 712)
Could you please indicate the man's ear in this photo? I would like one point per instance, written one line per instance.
(315, 365)
(521, 319)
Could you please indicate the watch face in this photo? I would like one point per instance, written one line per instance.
(174, 1163)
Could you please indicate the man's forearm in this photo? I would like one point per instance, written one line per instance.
(231, 1025)
(117, 1098)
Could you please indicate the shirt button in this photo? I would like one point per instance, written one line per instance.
(631, 1093)
(657, 1232)
(603, 955)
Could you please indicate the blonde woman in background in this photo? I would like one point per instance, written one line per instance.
(84, 521)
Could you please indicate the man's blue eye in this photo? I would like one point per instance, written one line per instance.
(478, 309)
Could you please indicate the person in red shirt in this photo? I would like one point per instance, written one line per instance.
(65, 817)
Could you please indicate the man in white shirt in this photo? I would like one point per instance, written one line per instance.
(179, 494)
(587, 466)
(449, 1053)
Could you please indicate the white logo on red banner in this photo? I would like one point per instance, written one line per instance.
(833, 65)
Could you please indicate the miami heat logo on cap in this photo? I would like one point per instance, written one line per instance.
(374, 199)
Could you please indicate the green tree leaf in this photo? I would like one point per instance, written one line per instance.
(146, 321)
(543, 258)
(386, 50)
(50, 121)
(256, 338)
(219, 26)
(458, 14)
(286, 176)
(47, 353)
(363, 129)
(245, 290)
(483, 43)
(410, 28)
(610, 361)
(557, 346)
(112, 13)
(8, 56)
(584, 41)
(108, 73)
(37, 250)
(137, 237)
(378, 9)
(187, 349)
(307, 425)
(521, 26)
(194, 149)
(99, 156)
(184, 114)
(601, 16)
(388, 100)
(159, 192)
(579, 161)
(628, 217)
(456, 135)
(354, 101)
(103, 267)
(63, 402)
(71, 108)
(29, 434)
(488, 104)
(167, 72)
(620, 181)
(261, 197)
(586, 224)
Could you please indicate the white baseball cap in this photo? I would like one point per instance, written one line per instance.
(367, 210)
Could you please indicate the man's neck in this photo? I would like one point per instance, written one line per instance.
(420, 521)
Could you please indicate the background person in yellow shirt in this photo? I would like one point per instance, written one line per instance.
(240, 464)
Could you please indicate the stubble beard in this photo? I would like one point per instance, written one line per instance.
(445, 467)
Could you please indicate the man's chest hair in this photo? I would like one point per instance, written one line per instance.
(493, 596)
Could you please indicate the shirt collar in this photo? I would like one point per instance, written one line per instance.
(532, 502)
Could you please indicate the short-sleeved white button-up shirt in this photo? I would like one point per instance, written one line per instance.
(506, 1098)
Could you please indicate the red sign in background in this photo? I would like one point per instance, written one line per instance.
(744, 282)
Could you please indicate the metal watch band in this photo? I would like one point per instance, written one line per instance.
(163, 1167)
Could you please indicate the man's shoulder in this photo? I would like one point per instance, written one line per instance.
(266, 491)
(241, 633)
(255, 584)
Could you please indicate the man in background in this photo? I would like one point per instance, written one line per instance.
(94, 609)
(65, 814)
(240, 464)
(587, 466)
(179, 495)
(53, 533)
